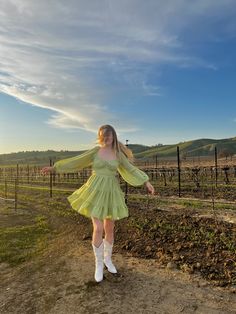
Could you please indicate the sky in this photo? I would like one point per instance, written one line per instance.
(158, 71)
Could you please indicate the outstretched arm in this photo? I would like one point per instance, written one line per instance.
(72, 164)
(133, 175)
(149, 187)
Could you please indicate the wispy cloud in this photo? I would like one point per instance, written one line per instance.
(69, 56)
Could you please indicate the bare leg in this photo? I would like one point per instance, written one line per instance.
(109, 225)
(108, 244)
(97, 231)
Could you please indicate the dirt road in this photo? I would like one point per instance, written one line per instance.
(63, 283)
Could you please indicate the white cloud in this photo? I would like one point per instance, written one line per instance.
(64, 56)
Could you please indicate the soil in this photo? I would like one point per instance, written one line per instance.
(168, 261)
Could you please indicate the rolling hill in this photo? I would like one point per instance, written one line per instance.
(199, 147)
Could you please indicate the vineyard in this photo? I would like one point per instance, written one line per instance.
(215, 183)
(188, 228)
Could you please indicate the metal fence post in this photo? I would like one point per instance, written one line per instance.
(50, 178)
(216, 167)
(5, 188)
(126, 184)
(179, 170)
(16, 193)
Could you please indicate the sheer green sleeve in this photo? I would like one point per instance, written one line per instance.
(75, 163)
(130, 173)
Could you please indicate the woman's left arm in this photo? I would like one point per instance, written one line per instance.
(150, 187)
(133, 175)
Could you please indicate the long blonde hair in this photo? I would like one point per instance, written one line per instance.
(117, 146)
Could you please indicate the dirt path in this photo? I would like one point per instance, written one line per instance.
(63, 283)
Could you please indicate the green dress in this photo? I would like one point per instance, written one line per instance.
(101, 196)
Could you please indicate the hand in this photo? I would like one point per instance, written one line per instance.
(150, 188)
(46, 170)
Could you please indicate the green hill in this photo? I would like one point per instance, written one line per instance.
(199, 147)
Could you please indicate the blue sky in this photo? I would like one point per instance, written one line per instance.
(158, 71)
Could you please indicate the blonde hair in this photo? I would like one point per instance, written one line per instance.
(117, 146)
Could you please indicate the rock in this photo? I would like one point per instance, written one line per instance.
(171, 265)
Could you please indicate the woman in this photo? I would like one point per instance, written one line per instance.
(101, 197)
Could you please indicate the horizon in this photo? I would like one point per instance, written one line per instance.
(28, 151)
(160, 72)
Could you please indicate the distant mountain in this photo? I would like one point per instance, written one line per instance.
(200, 147)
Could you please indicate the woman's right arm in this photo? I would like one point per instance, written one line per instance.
(72, 164)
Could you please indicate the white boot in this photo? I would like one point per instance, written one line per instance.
(107, 257)
(98, 253)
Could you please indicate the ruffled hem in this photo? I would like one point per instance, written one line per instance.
(100, 197)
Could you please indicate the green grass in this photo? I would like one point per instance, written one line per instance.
(20, 243)
(43, 188)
